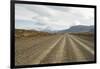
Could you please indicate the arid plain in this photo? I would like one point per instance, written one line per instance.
(32, 47)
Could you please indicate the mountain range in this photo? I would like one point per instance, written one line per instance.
(79, 28)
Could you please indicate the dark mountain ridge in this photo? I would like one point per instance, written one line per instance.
(80, 28)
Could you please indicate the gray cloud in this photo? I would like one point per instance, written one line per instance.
(54, 17)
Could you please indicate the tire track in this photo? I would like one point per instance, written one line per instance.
(34, 52)
(56, 55)
(69, 55)
(83, 45)
(88, 43)
(31, 43)
(78, 53)
(45, 53)
(56, 49)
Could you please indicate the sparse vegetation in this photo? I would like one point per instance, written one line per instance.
(19, 33)
(34, 47)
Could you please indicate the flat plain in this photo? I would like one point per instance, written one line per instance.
(32, 47)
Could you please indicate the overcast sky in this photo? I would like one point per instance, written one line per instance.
(41, 17)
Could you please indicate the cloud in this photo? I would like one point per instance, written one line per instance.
(52, 17)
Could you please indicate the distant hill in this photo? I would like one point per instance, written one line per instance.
(91, 30)
(29, 33)
(80, 28)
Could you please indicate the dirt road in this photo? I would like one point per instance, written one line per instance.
(62, 48)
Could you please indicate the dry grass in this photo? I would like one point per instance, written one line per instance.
(20, 33)
(32, 47)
